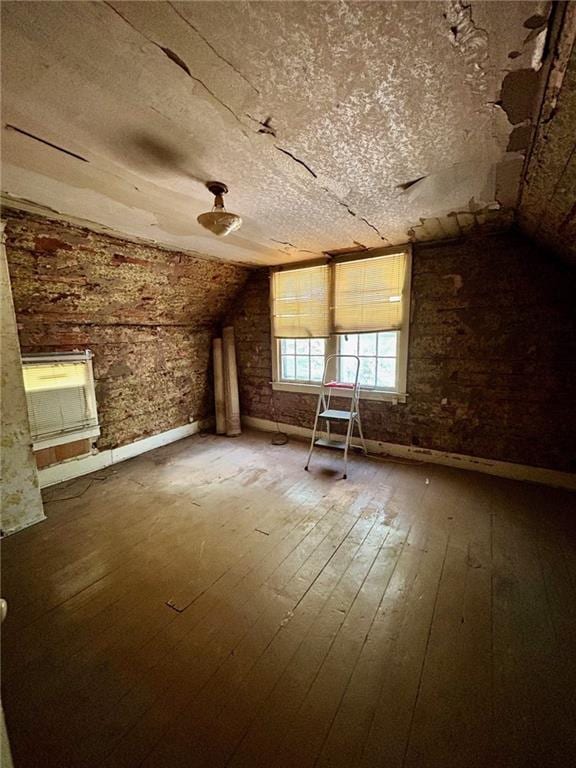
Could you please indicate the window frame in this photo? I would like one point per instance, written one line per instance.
(396, 395)
(91, 432)
(309, 355)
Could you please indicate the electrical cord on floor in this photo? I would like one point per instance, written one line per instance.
(88, 485)
(278, 438)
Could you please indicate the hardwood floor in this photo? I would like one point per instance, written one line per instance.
(412, 615)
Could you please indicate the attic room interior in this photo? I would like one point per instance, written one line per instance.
(288, 384)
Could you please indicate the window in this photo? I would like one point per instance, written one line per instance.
(355, 305)
(302, 359)
(60, 397)
(378, 353)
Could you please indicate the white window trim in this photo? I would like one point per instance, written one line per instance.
(68, 437)
(81, 434)
(384, 395)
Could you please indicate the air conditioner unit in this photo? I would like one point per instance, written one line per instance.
(61, 398)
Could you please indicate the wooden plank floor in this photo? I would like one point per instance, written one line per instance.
(413, 615)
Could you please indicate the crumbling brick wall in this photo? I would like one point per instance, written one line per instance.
(493, 332)
(147, 314)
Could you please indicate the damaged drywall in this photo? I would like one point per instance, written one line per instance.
(492, 184)
(319, 141)
(20, 500)
(458, 224)
(518, 94)
(547, 208)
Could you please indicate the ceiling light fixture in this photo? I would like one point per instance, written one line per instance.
(219, 221)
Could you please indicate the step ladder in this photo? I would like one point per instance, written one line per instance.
(329, 388)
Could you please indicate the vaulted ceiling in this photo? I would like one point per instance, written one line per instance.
(334, 124)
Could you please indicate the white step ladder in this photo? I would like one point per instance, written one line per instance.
(332, 388)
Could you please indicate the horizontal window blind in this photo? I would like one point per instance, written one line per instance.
(60, 397)
(300, 303)
(368, 294)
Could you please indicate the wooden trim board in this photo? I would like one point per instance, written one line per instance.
(487, 466)
(68, 470)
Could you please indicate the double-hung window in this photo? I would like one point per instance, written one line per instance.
(353, 305)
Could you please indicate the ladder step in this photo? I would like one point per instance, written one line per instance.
(332, 413)
(340, 444)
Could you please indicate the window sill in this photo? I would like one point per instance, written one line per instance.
(365, 394)
(68, 437)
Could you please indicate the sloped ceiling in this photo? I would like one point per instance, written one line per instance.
(547, 208)
(334, 124)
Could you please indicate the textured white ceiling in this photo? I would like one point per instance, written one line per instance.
(315, 115)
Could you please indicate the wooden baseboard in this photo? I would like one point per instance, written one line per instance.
(487, 466)
(68, 470)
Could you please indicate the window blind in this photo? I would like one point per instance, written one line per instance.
(60, 398)
(368, 294)
(300, 303)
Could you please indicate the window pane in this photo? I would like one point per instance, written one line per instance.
(317, 346)
(302, 346)
(316, 368)
(367, 344)
(387, 344)
(303, 368)
(349, 344)
(287, 346)
(348, 370)
(368, 372)
(387, 372)
(288, 368)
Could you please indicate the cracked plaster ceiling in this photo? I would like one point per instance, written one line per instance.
(335, 125)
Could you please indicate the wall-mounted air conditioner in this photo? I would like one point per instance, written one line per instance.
(61, 398)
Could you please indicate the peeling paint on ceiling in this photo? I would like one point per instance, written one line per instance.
(318, 117)
(547, 208)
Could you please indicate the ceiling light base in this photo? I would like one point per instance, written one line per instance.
(217, 187)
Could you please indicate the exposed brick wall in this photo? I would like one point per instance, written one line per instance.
(501, 348)
(147, 314)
